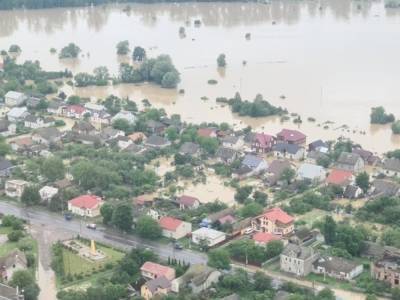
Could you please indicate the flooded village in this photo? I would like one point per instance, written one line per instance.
(200, 150)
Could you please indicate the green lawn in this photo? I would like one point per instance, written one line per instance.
(331, 282)
(75, 265)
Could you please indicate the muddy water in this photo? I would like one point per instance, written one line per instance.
(332, 59)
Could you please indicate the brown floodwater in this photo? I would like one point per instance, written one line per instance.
(332, 59)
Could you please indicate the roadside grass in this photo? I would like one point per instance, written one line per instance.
(76, 265)
(312, 216)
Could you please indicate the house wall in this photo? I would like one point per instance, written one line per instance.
(94, 212)
(383, 274)
(210, 241)
(295, 265)
(212, 278)
(184, 229)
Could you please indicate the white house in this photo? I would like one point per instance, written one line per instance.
(289, 151)
(35, 122)
(125, 115)
(47, 193)
(14, 98)
(17, 114)
(311, 172)
(86, 205)
(337, 267)
(15, 187)
(233, 142)
(209, 236)
(174, 228)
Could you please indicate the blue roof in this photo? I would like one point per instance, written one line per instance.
(284, 147)
(252, 161)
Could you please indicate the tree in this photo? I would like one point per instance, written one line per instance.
(371, 297)
(288, 175)
(53, 168)
(396, 127)
(106, 211)
(396, 294)
(30, 195)
(362, 181)
(221, 60)
(148, 228)
(122, 217)
(128, 74)
(139, 54)
(260, 197)
(4, 148)
(122, 124)
(208, 144)
(170, 80)
(70, 51)
(14, 49)
(24, 280)
(101, 76)
(329, 230)
(219, 259)
(123, 48)
(251, 209)
(261, 282)
(379, 116)
(274, 248)
(326, 294)
(242, 193)
(172, 134)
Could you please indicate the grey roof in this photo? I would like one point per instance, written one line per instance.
(31, 118)
(392, 164)
(5, 164)
(347, 158)
(108, 133)
(335, 264)
(226, 153)
(156, 140)
(385, 187)
(83, 126)
(4, 123)
(317, 144)
(154, 124)
(159, 282)
(249, 138)
(55, 104)
(49, 133)
(316, 155)
(351, 191)
(135, 149)
(365, 154)
(252, 161)
(9, 293)
(189, 148)
(278, 166)
(310, 171)
(230, 139)
(297, 251)
(376, 250)
(197, 274)
(287, 148)
(32, 102)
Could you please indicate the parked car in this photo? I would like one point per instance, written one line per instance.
(91, 226)
(178, 246)
(68, 216)
(248, 230)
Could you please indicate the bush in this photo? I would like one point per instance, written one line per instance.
(396, 127)
(14, 236)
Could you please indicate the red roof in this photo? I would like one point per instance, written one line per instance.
(290, 135)
(263, 139)
(187, 200)
(77, 109)
(277, 214)
(264, 237)
(86, 201)
(339, 177)
(169, 223)
(227, 219)
(205, 132)
(157, 269)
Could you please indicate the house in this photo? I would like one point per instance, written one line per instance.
(47, 193)
(86, 139)
(56, 107)
(7, 128)
(314, 157)
(256, 163)
(8, 292)
(156, 141)
(21, 144)
(352, 192)
(86, 205)
(144, 200)
(122, 142)
(198, 278)
(63, 184)
(263, 238)
(83, 127)
(232, 142)
(137, 137)
(225, 155)
(47, 135)
(318, 146)
(297, 259)
(5, 167)
(124, 115)
(15, 187)
(100, 117)
(189, 148)
(391, 167)
(384, 188)
(212, 218)
(155, 127)
(275, 170)
(262, 143)
(289, 151)
(387, 269)
(17, 114)
(94, 107)
(74, 111)
(174, 228)
(241, 227)
(350, 162)
(13, 261)
(340, 177)
(155, 287)
(337, 267)
(151, 270)
(291, 137)
(13, 98)
(35, 122)
(208, 236)
(110, 133)
(207, 132)
(33, 102)
(376, 251)
(311, 172)
(274, 221)
(188, 202)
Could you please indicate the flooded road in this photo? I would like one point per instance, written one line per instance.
(332, 59)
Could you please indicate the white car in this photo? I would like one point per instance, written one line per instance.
(91, 226)
(248, 230)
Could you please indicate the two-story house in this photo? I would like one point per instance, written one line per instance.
(275, 221)
(297, 259)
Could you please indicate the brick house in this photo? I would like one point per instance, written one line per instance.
(274, 221)
(291, 137)
(151, 270)
(174, 228)
(297, 259)
(387, 269)
(262, 143)
(86, 205)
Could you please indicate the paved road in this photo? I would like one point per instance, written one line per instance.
(55, 223)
